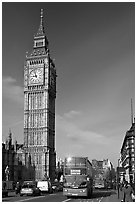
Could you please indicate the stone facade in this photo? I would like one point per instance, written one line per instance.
(39, 106)
(13, 159)
(105, 168)
(127, 160)
(36, 158)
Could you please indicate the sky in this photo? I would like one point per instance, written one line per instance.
(93, 45)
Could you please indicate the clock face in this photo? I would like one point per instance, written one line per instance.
(36, 76)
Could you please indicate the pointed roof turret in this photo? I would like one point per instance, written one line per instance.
(10, 135)
(9, 140)
(41, 31)
(40, 46)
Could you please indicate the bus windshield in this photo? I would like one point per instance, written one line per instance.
(75, 180)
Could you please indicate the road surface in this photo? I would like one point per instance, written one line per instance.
(99, 195)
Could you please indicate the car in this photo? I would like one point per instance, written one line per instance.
(57, 186)
(29, 182)
(44, 186)
(4, 193)
(4, 190)
(29, 189)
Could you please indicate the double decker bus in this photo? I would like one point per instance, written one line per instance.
(99, 183)
(78, 179)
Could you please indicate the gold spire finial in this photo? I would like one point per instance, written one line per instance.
(41, 13)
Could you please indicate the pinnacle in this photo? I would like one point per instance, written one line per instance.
(40, 31)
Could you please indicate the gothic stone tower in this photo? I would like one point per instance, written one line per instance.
(39, 106)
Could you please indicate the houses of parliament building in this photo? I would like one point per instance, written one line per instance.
(37, 155)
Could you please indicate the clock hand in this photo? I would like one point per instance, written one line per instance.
(35, 74)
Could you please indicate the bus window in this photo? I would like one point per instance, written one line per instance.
(67, 171)
(70, 161)
(80, 162)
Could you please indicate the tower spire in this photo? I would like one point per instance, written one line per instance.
(41, 19)
(41, 13)
(40, 39)
(41, 26)
(131, 112)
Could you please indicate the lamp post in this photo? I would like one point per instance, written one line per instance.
(118, 178)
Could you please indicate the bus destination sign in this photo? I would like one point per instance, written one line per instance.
(75, 171)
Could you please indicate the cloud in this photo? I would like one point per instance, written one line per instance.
(76, 141)
(76, 134)
(12, 108)
(11, 91)
(72, 114)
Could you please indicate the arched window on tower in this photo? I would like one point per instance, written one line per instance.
(40, 159)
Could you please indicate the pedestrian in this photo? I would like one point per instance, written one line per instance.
(133, 187)
(118, 186)
(127, 191)
(4, 185)
(13, 185)
(18, 187)
(121, 185)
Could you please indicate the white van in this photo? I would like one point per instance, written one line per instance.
(44, 186)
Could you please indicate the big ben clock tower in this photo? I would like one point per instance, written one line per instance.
(39, 106)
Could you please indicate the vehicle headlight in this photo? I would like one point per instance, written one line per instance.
(83, 190)
(53, 187)
(83, 185)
